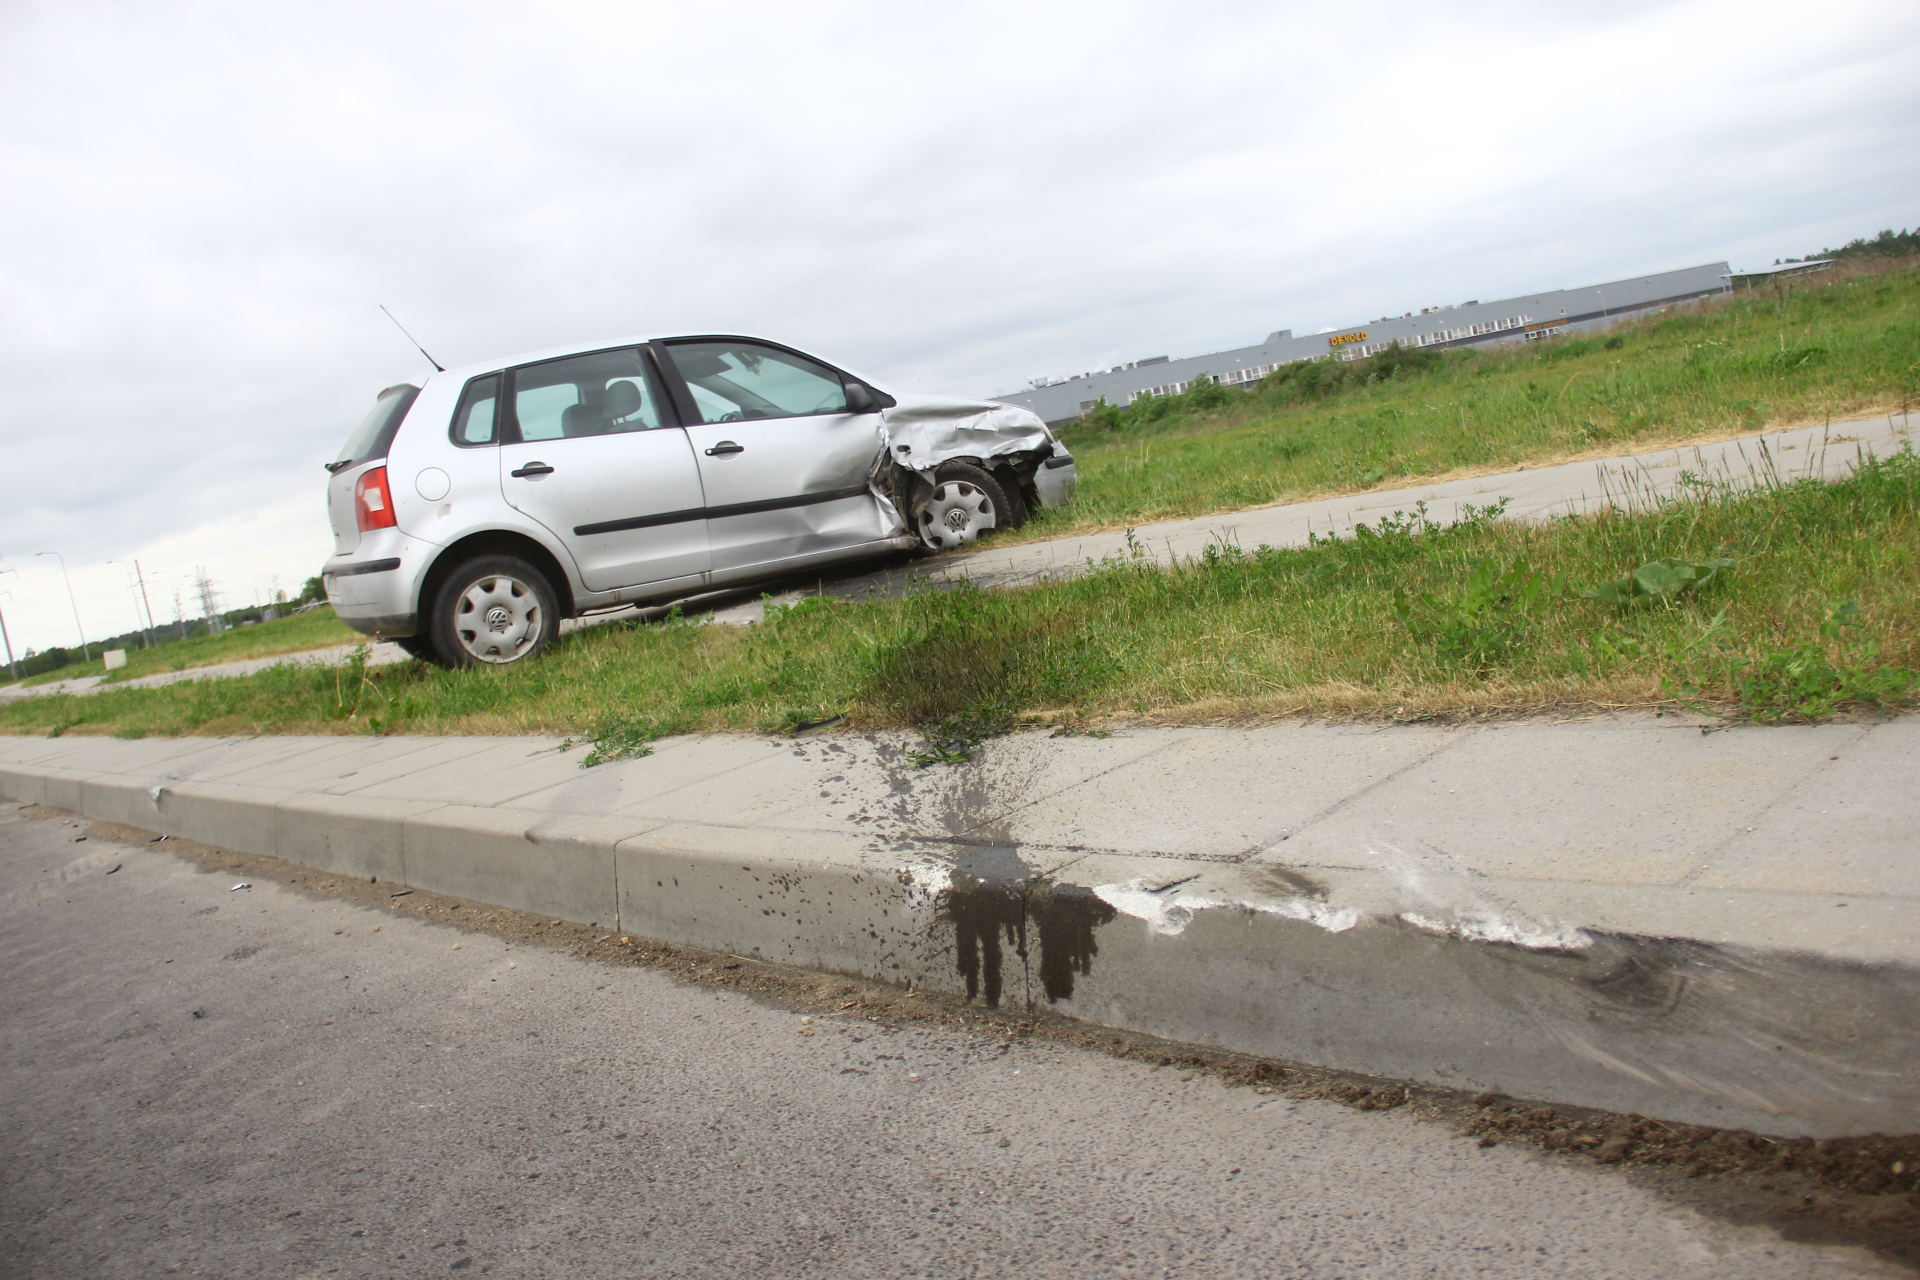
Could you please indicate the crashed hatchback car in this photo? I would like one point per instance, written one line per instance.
(473, 512)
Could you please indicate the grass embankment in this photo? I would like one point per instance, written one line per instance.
(1783, 603)
(1806, 350)
(296, 633)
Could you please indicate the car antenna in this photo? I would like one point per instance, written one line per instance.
(410, 338)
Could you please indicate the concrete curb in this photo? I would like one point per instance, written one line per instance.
(1050, 874)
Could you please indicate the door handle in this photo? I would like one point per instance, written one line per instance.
(531, 469)
(725, 447)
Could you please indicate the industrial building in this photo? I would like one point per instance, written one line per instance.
(1537, 315)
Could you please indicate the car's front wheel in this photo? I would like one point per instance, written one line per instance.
(965, 503)
(492, 611)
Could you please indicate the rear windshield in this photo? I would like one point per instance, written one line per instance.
(375, 432)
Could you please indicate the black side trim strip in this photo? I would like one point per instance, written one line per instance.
(365, 566)
(718, 513)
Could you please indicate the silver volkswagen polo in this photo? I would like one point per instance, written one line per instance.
(474, 511)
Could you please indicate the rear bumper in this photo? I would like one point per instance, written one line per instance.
(376, 590)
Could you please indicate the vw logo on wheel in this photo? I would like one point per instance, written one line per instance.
(498, 618)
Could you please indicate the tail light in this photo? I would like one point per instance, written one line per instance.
(373, 501)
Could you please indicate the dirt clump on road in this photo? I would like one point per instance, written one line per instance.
(1861, 1191)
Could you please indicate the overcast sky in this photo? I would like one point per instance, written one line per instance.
(205, 203)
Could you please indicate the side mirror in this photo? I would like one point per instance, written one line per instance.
(860, 399)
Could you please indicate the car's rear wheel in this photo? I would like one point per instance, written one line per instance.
(966, 502)
(492, 611)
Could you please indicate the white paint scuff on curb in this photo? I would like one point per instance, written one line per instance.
(1168, 912)
(1513, 931)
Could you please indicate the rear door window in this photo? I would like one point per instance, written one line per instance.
(603, 393)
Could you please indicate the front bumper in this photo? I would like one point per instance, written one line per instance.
(1056, 478)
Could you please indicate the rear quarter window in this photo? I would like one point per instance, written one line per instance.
(474, 421)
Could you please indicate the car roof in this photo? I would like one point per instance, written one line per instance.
(477, 368)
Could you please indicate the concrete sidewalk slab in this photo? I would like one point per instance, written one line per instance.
(1633, 914)
(1831, 832)
(636, 785)
(1130, 808)
(475, 771)
(1641, 804)
(344, 766)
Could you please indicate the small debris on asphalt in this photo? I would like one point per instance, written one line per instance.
(400, 893)
(115, 867)
(242, 885)
(79, 839)
(158, 839)
(199, 1013)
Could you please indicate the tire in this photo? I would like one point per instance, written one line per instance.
(492, 611)
(966, 502)
(419, 647)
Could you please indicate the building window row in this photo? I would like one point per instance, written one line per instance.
(1437, 336)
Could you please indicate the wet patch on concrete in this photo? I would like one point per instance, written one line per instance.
(1049, 930)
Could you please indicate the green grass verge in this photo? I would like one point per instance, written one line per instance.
(296, 633)
(1817, 348)
(1790, 602)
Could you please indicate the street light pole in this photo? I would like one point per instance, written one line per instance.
(139, 599)
(86, 654)
(141, 578)
(7, 639)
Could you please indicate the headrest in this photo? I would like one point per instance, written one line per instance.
(623, 399)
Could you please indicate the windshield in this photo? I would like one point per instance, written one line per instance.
(375, 432)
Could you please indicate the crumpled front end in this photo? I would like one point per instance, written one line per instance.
(921, 432)
(924, 431)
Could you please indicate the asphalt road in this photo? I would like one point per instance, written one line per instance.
(202, 1080)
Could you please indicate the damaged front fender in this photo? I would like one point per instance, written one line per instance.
(921, 432)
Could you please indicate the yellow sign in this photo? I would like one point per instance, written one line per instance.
(1341, 339)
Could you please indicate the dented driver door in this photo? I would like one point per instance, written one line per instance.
(783, 460)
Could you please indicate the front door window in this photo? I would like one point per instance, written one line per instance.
(735, 381)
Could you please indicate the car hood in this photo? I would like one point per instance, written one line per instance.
(924, 431)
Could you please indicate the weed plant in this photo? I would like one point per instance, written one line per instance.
(1794, 601)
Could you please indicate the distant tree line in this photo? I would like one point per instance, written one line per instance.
(38, 661)
(1888, 244)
